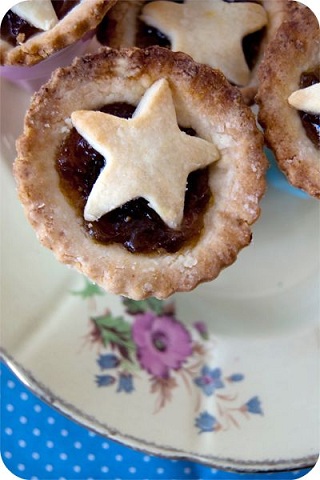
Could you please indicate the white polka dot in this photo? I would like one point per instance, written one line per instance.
(119, 458)
(49, 444)
(51, 420)
(21, 467)
(37, 408)
(22, 443)
(91, 457)
(146, 458)
(187, 470)
(64, 433)
(23, 420)
(91, 434)
(24, 396)
(8, 431)
(104, 469)
(36, 432)
(214, 470)
(35, 455)
(10, 407)
(63, 456)
(49, 468)
(132, 469)
(10, 384)
(105, 445)
(77, 445)
(160, 470)
(7, 454)
(34, 478)
(77, 468)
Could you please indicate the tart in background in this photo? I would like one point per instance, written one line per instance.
(224, 34)
(50, 27)
(38, 36)
(289, 98)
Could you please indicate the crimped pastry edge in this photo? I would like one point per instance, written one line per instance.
(205, 101)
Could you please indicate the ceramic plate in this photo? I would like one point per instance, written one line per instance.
(227, 375)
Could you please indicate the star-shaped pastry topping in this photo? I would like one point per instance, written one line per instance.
(211, 31)
(146, 156)
(306, 99)
(38, 13)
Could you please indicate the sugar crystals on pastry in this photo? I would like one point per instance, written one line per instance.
(142, 169)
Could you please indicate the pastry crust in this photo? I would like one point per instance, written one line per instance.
(83, 18)
(298, 38)
(121, 25)
(204, 101)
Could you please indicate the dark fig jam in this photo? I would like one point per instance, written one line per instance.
(134, 225)
(15, 30)
(311, 122)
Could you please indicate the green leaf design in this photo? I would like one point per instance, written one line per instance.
(116, 332)
(140, 306)
(89, 290)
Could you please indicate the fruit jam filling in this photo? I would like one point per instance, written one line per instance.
(135, 225)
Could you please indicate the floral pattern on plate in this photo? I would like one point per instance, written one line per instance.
(148, 339)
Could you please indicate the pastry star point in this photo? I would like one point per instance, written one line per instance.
(306, 99)
(146, 156)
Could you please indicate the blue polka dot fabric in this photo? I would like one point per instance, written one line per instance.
(38, 442)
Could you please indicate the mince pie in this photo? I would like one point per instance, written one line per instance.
(32, 31)
(226, 34)
(289, 98)
(142, 169)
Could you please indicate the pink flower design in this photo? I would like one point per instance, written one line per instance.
(162, 343)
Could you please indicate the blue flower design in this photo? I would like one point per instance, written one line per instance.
(236, 377)
(108, 361)
(104, 380)
(206, 422)
(210, 380)
(253, 406)
(125, 383)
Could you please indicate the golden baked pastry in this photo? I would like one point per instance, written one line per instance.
(224, 34)
(289, 97)
(117, 115)
(33, 30)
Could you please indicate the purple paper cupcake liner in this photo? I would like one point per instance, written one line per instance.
(33, 77)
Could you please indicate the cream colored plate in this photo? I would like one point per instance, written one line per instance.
(227, 375)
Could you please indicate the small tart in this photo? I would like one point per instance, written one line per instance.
(52, 35)
(283, 103)
(203, 101)
(211, 31)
